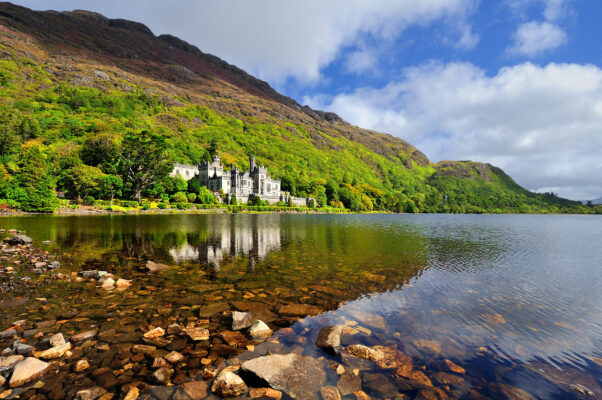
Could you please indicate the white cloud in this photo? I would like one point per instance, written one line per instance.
(533, 38)
(553, 10)
(275, 39)
(542, 125)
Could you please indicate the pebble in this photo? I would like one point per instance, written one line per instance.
(154, 333)
(197, 390)
(80, 337)
(163, 375)
(174, 357)
(81, 365)
(56, 340)
(132, 394)
(9, 361)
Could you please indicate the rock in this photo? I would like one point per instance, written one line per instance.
(197, 390)
(22, 348)
(101, 75)
(81, 365)
(55, 265)
(453, 367)
(160, 362)
(174, 357)
(211, 309)
(173, 329)
(123, 283)
(348, 384)
(154, 267)
(444, 378)
(154, 333)
(56, 340)
(107, 380)
(394, 358)
(163, 375)
(53, 352)
(2, 380)
(197, 333)
(265, 393)
(582, 389)
(431, 345)
(167, 393)
(80, 337)
(143, 348)
(8, 334)
(233, 338)
(372, 320)
(365, 352)
(241, 320)
(19, 239)
(91, 393)
(514, 393)
(26, 370)
(108, 283)
(300, 377)
(259, 331)
(300, 310)
(361, 395)
(228, 384)
(340, 369)
(89, 274)
(329, 339)
(132, 394)
(9, 361)
(330, 393)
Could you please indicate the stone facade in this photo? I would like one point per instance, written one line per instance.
(242, 184)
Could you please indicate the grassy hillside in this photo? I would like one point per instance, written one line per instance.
(70, 92)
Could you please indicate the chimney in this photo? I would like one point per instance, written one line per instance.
(252, 163)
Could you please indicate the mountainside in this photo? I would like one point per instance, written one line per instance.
(73, 84)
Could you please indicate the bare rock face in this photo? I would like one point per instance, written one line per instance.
(329, 339)
(228, 384)
(27, 370)
(300, 377)
(241, 320)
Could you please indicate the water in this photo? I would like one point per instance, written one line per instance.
(514, 300)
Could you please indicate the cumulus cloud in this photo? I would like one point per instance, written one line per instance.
(533, 38)
(275, 39)
(540, 124)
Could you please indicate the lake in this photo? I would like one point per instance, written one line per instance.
(486, 306)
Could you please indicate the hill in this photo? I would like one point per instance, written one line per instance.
(73, 85)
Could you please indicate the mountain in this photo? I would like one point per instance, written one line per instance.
(597, 201)
(71, 78)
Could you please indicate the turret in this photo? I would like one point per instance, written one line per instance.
(252, 163)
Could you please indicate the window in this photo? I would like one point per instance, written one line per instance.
(177, 171)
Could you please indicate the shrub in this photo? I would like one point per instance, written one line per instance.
(162, 205)
(191, 197)
(179, 197)
(146, 205)
(129, 203)
(89, 200)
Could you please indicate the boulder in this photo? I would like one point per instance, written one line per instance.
(228, 384)
(53, 352)
(329, 339)
(19, 239)
(259, 331)
(92, 393)
(300, 377)
(27, 370)
(241, 320)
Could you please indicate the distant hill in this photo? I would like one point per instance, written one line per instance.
(597, 201)
(68, 78)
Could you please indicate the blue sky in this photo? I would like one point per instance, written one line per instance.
(516, 83)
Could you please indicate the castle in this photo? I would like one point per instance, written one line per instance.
(242, 184)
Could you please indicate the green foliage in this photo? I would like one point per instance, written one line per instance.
(205, 196)
(194, 186)
(233, 199)
(179, 197)
(82, 181)
(36, 187)
(162, 205)
(191, 197)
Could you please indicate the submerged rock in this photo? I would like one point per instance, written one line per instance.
(197, 390)
(92, 393)
(19, 239)
(154, 267)
(27, 370)
(228, 384)
(329, 339)
(365, 352)
(300, 310)
(265, 393)
(80, 337)
(54, 352)
(56, 340)
(300, 377)
(259, 331)
(154, 333)
(241, 320)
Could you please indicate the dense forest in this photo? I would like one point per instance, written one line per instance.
(99, 132)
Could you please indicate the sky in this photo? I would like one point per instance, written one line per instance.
(514, 83)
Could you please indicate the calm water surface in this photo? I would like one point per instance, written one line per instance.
(515, 300)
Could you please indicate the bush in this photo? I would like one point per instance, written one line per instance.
(89, 200)
(162, 205)
(129, 203)
(146, 205)
(183, 206)
(179, 197)
(191, 197)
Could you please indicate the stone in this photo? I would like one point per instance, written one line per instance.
(91, 393)
(107, 380)
(348, 384)
(9, 361)
(174, 357)
(19, 239)
(163, 375)
(361, 395)
(123, 283)
(80, 337)
(167, 393)
(212, 309)
(160, 362)
(89, 274)
(300, 310)
(154, 333)
(56, 340)
(173, 329)
(108, 283)
(330, 393)
(453, 367)
(197, 390)
(2, 380)
(340, 369)
(53, 352)
(8, 334)
(259, 331)
(265, 393)
(431, 345)
(81, 365)
(233, 338)
(365, 352)
(197, 333)
(443, 378)
(155, 267)
(372, 320)
(228, 384)
(27, 370)
(300, 377)
(514, 393)
(241, 320)
(394, 358)
(143, 348)
(22, 348)
(329, 339)
(132, 393)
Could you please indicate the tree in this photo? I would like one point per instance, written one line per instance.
(144, 161)
(194, 186)
(110, 187)
(205, 196)
(28, 127)
(102, 150)
(37, 188)
(233, 199)
(83, 181)
(9, 141)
